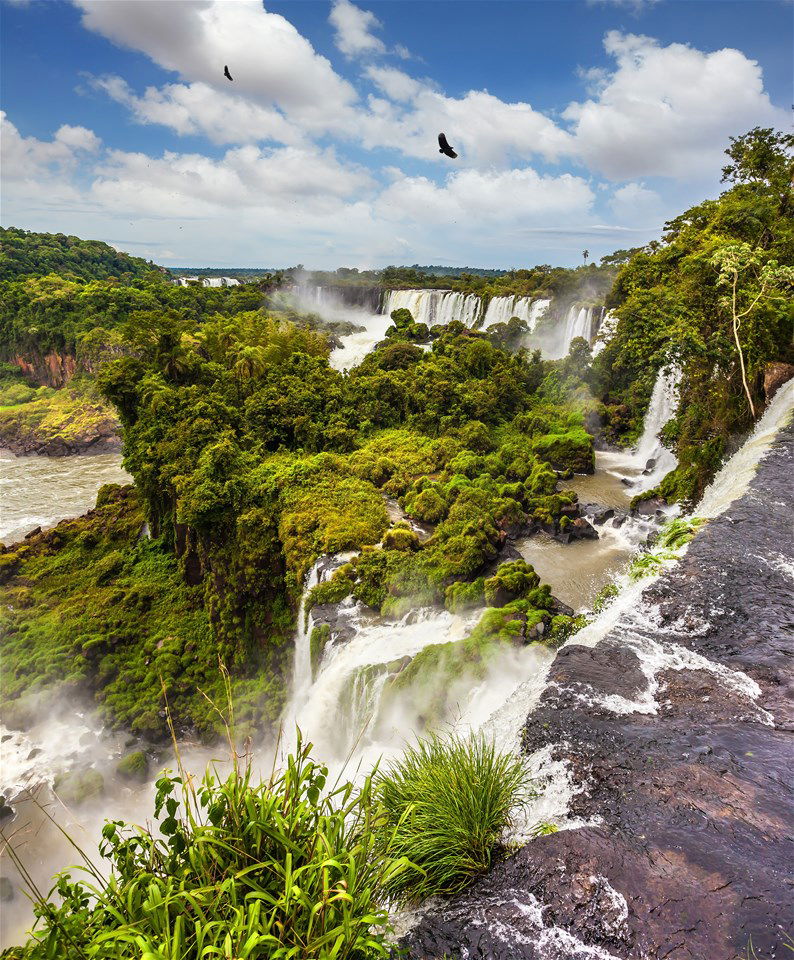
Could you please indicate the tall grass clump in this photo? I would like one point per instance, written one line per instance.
(283, 869)
(447, 803)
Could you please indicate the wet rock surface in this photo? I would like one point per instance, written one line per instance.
(684, 764)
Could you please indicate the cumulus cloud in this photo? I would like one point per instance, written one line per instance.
(245, 177)
(667, 110)
(273, 65)
(635, 202)
(395, 84)
(353, 29)
(25, 158)
(486, 197)
(485, 130)
(196, 108)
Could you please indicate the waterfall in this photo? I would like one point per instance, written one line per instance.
(577, 324)
(435, 306)
(733, 478)
(302, 666)
(663, 405)
(501, 309)
(606, 331)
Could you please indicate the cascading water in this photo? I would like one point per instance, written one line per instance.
(662, 406)
(435, 306)
(501, 309)
(606, 331)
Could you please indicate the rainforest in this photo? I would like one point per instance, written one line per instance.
(331, 601)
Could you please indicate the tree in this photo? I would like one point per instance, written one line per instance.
(741, 264)
(762, 158)
(585, 255)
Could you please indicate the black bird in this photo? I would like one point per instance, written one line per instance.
(444, 147)
(227, 74)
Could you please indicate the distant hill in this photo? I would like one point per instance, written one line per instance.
(25, 253)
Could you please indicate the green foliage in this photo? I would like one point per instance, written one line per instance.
(714, 297)
(512, 581)
(78, 786)
(285, 868)
(447, 803)
(92, 602)
(23, 252)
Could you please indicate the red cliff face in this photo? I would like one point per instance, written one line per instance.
(51, 370)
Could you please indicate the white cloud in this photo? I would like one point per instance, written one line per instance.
(394, 83)
(634, 202)
(353, 28)
(485, 130)
(476, 197)
(668, 111)
(272, 64)
(26, 158)
(197, 108)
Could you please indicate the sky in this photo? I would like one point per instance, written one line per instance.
(580, 124)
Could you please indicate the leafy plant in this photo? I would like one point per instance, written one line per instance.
(288, 868)
(448, 802)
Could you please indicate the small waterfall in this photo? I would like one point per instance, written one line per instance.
(662, 406)
(433, 307)
(731, 482)
(733, 478)
(577, 324)
(302, 668)
(606, 331)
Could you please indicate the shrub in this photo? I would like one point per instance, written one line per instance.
(234, 869)
(447, 803)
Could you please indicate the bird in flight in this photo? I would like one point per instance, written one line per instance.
(444, 147)
(227, 74)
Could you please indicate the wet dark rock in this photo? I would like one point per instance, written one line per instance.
(579, 529)
(33, 533)
(775, 375)
(689, 779)
(34, 753)
(340, 627)
(6, 810)
(650, 507)
(619, 519)
(598, 514)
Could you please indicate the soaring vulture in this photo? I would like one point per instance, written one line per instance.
(444, 147)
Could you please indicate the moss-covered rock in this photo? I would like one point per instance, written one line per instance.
(512, 581)
(318, 640)
(79, 786)
(401, 538)
(135, 766)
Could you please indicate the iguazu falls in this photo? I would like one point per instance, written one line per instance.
(356, 601)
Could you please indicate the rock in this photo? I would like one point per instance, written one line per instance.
(626, 482)
(651, 507)
(135, 766)
(33, 533)
(775, 375)
(619, 519)
(6, 810)
(79, 786)
(6, 890)
(34, 753)
(649, 465)
(598, 514)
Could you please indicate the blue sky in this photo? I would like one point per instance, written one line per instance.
(579, 123)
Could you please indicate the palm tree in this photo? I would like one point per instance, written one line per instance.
(585, 254)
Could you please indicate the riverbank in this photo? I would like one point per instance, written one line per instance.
(677, 728)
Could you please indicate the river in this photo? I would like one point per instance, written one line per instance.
(40, 491)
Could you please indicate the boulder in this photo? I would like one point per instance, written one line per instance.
(775, 375)
(135, 766)
(78, 786)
